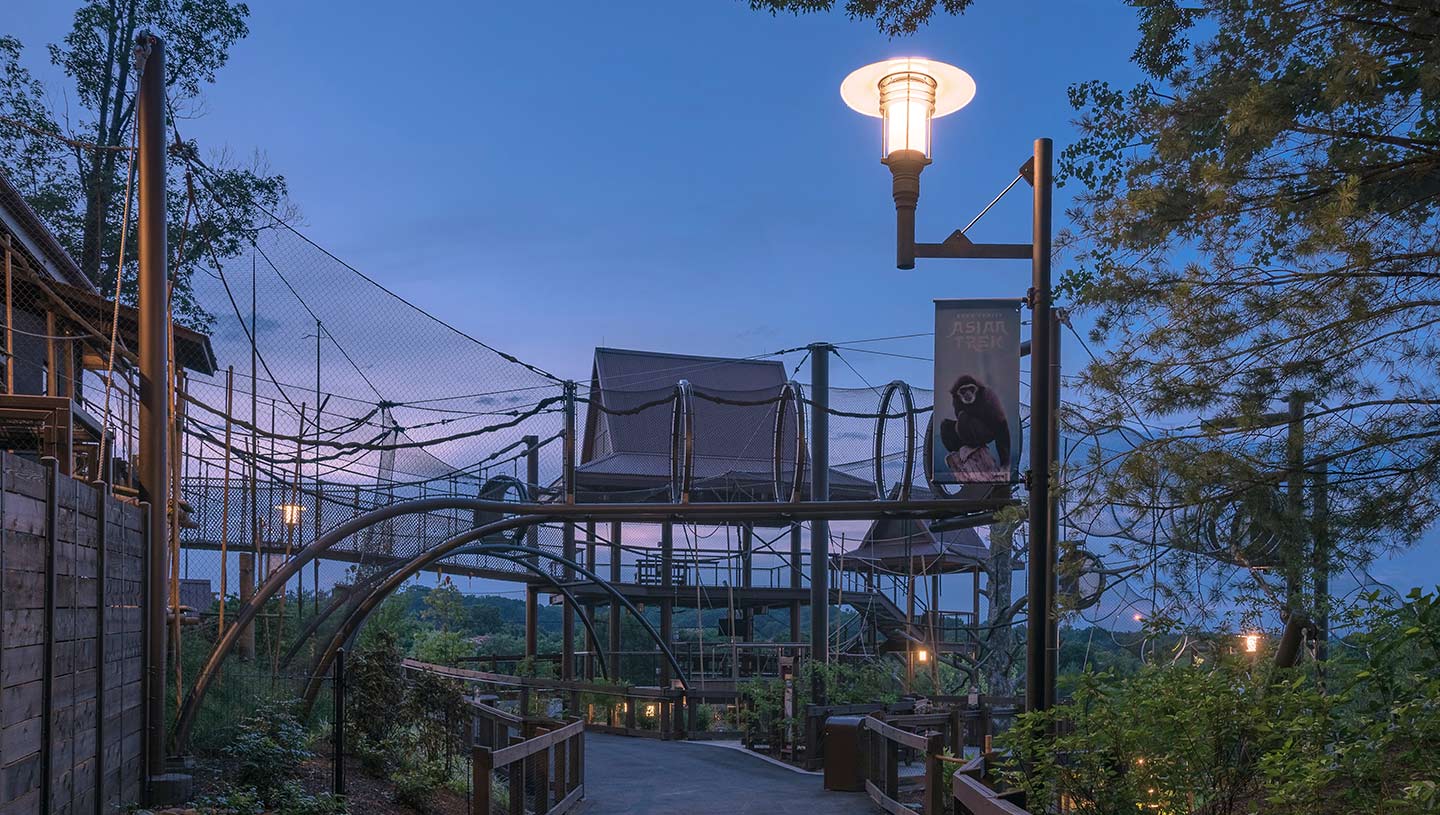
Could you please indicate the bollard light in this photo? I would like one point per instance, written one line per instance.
(907, 94)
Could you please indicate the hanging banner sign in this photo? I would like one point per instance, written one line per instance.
(976, 425)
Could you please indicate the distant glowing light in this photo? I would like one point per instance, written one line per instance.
(290, 514)
(1138, 617)
(1252, 643)
(650, 710)
(922, 655)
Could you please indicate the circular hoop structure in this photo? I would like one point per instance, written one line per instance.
(682, 443)
(929, 458)
(790, 394)
(1082, 579)
(907, 401)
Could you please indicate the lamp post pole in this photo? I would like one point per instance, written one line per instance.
(1043, 518)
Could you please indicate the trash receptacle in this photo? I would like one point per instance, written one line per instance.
(842, 754)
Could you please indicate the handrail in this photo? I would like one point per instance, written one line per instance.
(508, 755)
(563, 749)
(880, 748)
(540, 682)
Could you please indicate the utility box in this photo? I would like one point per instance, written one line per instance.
(842, 754)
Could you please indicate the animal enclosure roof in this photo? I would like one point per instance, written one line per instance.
(625, 454)
(909, 545)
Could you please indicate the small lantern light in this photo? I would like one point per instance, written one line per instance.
(650, 710)
(922, 655)
(290, 514)
(1252, 643)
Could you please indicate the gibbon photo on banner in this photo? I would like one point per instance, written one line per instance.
(976, 434)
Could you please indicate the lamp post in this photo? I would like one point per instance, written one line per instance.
(908, 94)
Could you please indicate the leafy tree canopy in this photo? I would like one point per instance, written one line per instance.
(894, 17)
(67, 148)
(1259, 219)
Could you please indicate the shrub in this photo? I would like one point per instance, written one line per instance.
(266, 751)
(1235, 736)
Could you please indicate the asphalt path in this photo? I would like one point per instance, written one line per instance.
(637, 776)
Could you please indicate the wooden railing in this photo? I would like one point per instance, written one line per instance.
(975, 797)
(881, 745)
(532, 759)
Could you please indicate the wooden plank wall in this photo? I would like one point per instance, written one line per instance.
(50, 546)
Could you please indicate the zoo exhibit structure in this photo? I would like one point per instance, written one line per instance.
(731, 438)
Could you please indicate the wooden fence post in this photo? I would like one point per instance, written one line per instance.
(480, 765)
(934, 775)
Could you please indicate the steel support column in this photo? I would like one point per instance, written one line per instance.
(154, 381)
(820, 527)
(1039, 564)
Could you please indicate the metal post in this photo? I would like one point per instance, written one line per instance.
(796, 571)
(1295, 502)
(1039, 564)
(614, 632)
(567, 617)
(338, 692)
(667, 599)
(1052, 553)
(532, 539)
(154, 381)
(820, 491)
(1321, 512)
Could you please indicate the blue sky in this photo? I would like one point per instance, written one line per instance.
(645, 173)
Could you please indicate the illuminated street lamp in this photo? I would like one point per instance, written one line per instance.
(908, 94)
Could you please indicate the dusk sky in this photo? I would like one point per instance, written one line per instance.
(662, 175)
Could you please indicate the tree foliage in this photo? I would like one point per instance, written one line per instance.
(1227, 734)
(1258, 218)
(71, 163)
(893, 17)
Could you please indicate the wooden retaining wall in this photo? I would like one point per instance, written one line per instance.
(66, 634)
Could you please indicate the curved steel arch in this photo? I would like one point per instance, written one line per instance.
(450, 547)
(493, 489)
(907, 403)
(277, 581)
(360, 589)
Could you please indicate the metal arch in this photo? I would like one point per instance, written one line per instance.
(317, 620)
(359, 590)
(535, 513)
(792, 393)
(907, 401)
(281, 576)
(353, 621)
(682, 443)
(929, 459)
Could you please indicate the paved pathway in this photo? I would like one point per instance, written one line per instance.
(650, 777)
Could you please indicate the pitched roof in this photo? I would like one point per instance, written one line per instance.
(626, 447)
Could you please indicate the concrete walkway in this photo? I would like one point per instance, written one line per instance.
(650, 777)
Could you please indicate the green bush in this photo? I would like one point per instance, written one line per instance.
(1234, 736)
(267, 751)
(415, 784)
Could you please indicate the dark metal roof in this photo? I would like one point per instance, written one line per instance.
(36, 238)
(626, 456)
(192, 349)
(890, 542)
